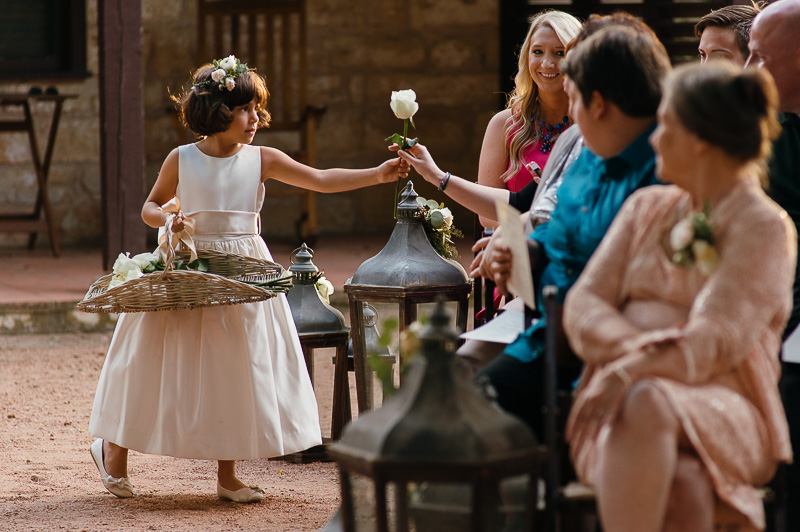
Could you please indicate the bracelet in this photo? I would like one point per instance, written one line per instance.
(444, 181)
(624, 375)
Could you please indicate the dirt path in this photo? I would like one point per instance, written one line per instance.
(48, 481)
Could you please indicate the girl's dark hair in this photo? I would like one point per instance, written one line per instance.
(205, 109)
(733, 109)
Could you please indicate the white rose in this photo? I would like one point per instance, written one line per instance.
(143, 260)
(228, 63)
(325, 289)
(229, 84)
(404, 104)
(124, 264)
(218, 74)
(681, 235)
(704, 256)
(133, 274)
(448, 217)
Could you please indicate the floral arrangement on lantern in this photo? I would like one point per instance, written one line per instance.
(692, 241)
(439, 228)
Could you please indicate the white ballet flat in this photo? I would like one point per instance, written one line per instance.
(121, 487)
(244, 495)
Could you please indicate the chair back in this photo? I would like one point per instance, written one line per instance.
(270, 35)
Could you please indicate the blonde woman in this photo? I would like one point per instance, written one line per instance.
(518, 140)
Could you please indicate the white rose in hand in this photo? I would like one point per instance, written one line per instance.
(228, 63)
(404, 104)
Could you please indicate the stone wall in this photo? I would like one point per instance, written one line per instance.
(359, 51)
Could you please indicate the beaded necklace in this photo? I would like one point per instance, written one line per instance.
(549, 132)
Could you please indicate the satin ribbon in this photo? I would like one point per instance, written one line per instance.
(169, 240)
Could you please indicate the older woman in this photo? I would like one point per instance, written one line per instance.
(678, 414)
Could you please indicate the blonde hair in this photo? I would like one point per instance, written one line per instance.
(521, 129)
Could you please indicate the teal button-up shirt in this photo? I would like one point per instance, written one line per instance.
(590, 195)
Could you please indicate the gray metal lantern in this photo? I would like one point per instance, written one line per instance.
(310, 312)
(438, 455)
(408, 259)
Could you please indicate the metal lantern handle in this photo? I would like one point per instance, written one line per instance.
(294, 253)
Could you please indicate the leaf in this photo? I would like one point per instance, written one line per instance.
(411, 119)
(397, 138)
(437, 219)
(201, 265)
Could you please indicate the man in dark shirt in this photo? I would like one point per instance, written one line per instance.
(775, 45)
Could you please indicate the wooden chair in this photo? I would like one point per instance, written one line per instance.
(569, 505)
(271, 36)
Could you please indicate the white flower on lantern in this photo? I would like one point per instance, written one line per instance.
(218, 74)
(404, 104)
(325, 289)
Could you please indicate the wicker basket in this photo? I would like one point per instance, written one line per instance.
(227, 282)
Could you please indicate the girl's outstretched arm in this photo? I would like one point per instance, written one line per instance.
(163, 191)
(277, 165)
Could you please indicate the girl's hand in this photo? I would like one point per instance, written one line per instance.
(177, 223)
(597, 405)
(393, 170)
(419, 157)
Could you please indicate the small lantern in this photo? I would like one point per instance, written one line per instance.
(311, 313)
(320, 325)
(407, 271)
(371, 343)
(438, 455)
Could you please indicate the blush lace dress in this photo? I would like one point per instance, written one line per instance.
(728, 327)
(221, 383)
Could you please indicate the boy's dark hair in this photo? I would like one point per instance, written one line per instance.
(205, 109)
(596, 22)
(624, 65)
(738, 18)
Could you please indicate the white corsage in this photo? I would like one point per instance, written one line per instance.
(692, 242)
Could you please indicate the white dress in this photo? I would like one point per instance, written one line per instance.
(217, 383)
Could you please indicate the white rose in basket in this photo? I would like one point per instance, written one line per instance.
(143, 260)
(124, 264)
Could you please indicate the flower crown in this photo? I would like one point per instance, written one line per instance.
(225, 73)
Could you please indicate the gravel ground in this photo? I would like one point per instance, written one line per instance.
(49, 482)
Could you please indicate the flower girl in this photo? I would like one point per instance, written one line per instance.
(216, 383)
